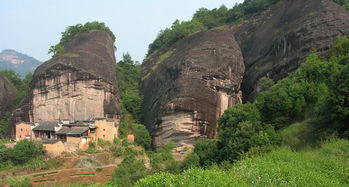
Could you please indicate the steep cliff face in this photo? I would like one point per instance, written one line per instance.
(275, 43)
(187, 87)
(7, 96)
(78, 85)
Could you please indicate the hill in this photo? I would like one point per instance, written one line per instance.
(18, 62)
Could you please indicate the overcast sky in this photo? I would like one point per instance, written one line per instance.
(32, 26)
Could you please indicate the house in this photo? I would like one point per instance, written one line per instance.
(24, 131)
(65, 136)
(45, 130)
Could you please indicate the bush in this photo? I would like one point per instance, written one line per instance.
(240, 129)
(118, 151)
(207, 152)
(92, 145)
(128, 172)
(142, 135)
(26, 150)
(102, 142)
(162, 157)
(192, 160)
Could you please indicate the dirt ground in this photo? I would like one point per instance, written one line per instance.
(75, 169)
(74, 176)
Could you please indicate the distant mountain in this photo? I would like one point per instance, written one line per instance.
(18, 62)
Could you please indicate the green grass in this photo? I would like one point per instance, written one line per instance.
(82, 174)
(43, 174)
(92, 151)
(326, 166)
(162, 58)
(18, 181)
(44, 180)
(68, 55)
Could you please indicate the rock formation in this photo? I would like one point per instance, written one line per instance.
(7, 96)
(77, 85)
(188, 86)
(275, 43)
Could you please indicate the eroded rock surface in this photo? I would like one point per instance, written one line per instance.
(187, 87)
(277, 42)
(7, 96)
(78, 85)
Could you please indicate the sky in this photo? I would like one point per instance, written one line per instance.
(32, 26)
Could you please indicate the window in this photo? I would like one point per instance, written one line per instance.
(103, 136)
(21, 129)
(103, 129)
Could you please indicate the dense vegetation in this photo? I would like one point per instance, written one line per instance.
(327, 166)
(205, 19)
(21, 87)
(73, 31)
(129, 76)
(23, 152)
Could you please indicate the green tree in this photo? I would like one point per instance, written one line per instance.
(73, 31)
(142, 135)
(207, 152)
(129, 171)
(240, 129)
(26, 150)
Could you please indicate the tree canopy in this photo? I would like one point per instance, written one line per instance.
(204, 19)
(73, 31)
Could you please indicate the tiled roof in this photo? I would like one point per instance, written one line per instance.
(78, 123)
(63, 131)
(71, 131)
(46, 126)
(77, 131)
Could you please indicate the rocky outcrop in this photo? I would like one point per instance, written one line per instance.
(7, 96)
(277, 42)
(187, 87)
(77, 85)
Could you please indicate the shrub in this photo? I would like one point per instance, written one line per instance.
(207, 152)
(118, 151)
(192, 160)
(240, 129)
(162, 158)
(142, 135)
(26, 150)
(92, 145)
(102, 142)
(128, 172)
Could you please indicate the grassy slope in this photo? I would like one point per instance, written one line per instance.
(325, 166)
